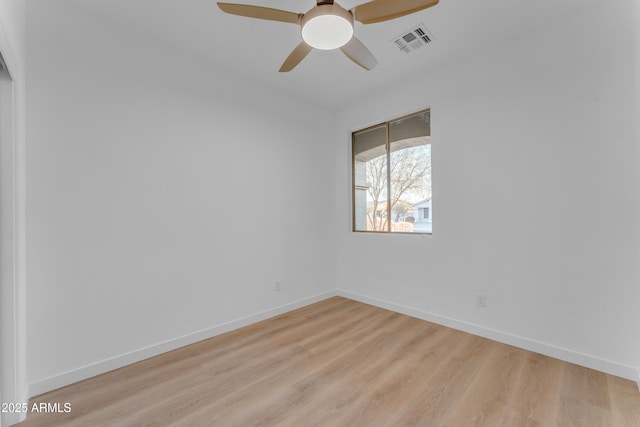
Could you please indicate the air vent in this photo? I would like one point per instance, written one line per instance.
(413, 39)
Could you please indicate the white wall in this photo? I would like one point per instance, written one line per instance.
(140, 158)
(13, 383)
(165, 198)
(534, 191)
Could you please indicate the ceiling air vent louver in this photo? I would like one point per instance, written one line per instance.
(413, 39)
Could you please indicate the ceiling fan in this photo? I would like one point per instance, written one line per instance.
(329, 26)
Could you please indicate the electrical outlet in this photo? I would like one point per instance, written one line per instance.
(481, 301)
(278, 286)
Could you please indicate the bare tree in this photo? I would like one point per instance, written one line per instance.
(410, 172)
(400, 209)
(377, 182)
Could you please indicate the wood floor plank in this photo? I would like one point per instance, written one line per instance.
(301, 389)
(350, 377)
(384, 392)
(486, 400)
(625, 405)
(584, 398)
(434, 395)
(343, 363)
(534, 401)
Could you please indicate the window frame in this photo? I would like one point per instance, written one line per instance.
(386, 124)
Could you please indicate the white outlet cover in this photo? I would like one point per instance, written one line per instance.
(481, 301)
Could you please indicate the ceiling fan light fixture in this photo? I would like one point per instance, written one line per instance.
(327, 27)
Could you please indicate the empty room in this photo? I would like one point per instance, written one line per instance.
(290, 213)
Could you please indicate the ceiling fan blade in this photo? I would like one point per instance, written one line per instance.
(384, 10)
(260, 12)
(294, 58)
(358, 53)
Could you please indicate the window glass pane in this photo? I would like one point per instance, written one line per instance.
(370, 180)
(410, 174)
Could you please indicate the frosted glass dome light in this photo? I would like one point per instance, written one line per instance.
(327, 27)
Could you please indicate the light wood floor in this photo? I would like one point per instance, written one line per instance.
(343, 363)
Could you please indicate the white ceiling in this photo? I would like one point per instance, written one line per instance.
(256, 48)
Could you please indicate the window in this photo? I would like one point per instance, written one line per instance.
(391, 175)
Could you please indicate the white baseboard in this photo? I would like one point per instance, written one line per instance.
(607, 366)
(88, 371)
